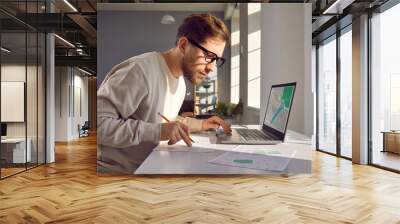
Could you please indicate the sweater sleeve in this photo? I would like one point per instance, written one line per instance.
(195, 125)
(117, 100)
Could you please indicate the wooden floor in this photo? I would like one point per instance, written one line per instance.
(5, 172)
(387, 159)
(70, 191)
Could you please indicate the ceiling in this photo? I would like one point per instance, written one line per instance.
(78, 24)
(187, 7)
(332, 15)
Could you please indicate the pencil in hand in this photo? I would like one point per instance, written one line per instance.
(166, 119)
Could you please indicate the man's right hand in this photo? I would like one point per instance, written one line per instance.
(175, 131)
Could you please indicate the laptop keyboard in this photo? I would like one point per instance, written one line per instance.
(252, 135)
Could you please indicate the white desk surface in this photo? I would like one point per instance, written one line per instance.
(13, 140)
(161, 161)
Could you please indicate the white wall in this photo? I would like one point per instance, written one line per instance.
(14, 72)
(286, 57)
(67, 114)
(12, 101)
(138, 32)
(61, 103)
(79, 117)
(17, 73)
(250, 115)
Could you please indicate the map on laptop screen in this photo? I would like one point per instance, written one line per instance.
(278, 109)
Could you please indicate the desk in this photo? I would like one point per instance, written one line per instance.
(391, 141)
(13, 150)
(170, 162)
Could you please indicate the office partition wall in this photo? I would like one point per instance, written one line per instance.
(13, 147)
(22, 80)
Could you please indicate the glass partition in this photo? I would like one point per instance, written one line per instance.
(22, 87)
(31, 98)
(14, 154)
(41, 96)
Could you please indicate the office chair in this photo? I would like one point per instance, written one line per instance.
(84, 130)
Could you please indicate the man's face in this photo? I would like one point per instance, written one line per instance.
(194, 63)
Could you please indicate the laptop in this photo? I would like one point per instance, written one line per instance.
(275, 120)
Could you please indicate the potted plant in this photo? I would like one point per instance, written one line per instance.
(221, 108)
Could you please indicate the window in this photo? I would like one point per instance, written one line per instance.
(235, 58)
(346, 93)
(334, 99)
(254, 55)
(394, 102)
(327, 95)
(385, 85)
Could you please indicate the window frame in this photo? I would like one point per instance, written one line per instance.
(333, 37)
(381, 9)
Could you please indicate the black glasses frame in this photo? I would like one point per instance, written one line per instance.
(209, 56)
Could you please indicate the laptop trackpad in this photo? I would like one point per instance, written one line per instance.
(234, 136)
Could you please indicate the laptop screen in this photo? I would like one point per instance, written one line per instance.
(278, 108)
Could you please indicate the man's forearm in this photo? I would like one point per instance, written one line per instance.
(121, 133)
(195, 125)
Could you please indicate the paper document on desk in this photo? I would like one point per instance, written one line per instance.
(181, 148)
(270, 150)
(252, 161)
(201, 144)
(209, 142)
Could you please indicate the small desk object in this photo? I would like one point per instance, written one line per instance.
(13, 150)
(197, 159)
(391, 141)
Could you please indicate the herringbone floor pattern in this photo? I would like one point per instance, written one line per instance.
(70, 191)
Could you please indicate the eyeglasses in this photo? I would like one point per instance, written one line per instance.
(209, 56)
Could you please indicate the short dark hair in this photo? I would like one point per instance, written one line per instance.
(200, 27)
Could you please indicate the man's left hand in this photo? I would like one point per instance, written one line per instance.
(214, 122)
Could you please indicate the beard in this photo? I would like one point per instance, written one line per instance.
(189, 73)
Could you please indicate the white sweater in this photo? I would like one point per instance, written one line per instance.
(128, 102)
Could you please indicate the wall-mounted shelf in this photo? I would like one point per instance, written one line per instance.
(200, 94)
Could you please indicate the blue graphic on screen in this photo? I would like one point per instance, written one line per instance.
(279, 107)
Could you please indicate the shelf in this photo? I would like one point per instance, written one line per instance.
(209, 104)
(201, 92)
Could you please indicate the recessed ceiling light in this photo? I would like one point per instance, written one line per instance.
(337, 7)
(5, 50)
(65, 41)
(70, 5)
(84, 71)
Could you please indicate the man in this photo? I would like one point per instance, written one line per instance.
(134, 93)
